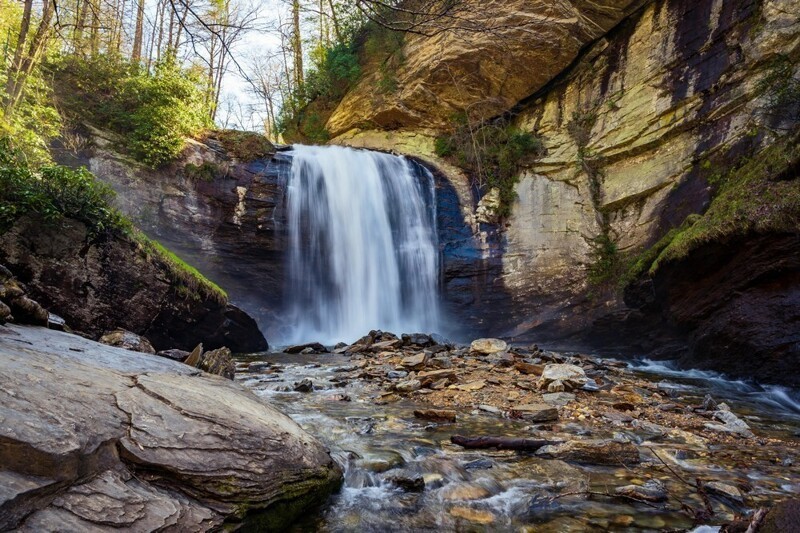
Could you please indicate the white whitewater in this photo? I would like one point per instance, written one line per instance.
(363, 246)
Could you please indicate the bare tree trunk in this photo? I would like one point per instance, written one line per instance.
(136, 56)
(16, 62)
(95, 33)
(80, 24)
(335, 20)
(29, 60)
(297, 44)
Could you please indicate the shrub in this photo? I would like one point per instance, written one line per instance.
(53, 192)
(492, 154)
(245, 146)
(153, 112)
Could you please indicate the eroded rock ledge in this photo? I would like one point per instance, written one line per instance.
(93, 436)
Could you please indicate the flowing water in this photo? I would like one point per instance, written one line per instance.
(488, 490)
(363, 245)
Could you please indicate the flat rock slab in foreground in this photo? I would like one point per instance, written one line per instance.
(93, 436)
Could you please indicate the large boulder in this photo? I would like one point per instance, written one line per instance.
(562, 377)
(488, 346)
(95, 436)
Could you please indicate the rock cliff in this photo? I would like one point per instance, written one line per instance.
(222, 215)
(104, 283)
(637, 132)
(95, 437)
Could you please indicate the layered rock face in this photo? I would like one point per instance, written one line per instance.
(633, 133)
(483, 68)
(94, 437)
(100, 285)
(227, 219)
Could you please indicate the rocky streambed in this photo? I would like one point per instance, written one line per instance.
(433, 437)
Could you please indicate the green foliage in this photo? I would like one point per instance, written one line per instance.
(53, 192)
(35, 121)
(761, 194)
(245, 146)
(335, 69)
(781, 87)
(204, 172)
(153, 112)
(492, 154)
(605, 262)
(580, 128)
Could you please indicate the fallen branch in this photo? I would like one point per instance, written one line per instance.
(501, 443)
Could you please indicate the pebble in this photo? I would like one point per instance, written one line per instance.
(473, 515)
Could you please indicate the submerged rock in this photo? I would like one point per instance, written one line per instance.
(305, 385)
(127, 340)
(136, 442)
(652, 491)
(597, 452)
(314, 347)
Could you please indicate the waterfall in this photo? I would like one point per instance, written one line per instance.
(363, 251)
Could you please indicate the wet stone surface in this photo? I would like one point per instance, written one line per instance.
(635, 448)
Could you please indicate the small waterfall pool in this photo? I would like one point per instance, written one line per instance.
(363, 251)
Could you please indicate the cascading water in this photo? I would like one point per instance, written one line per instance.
(363, 247)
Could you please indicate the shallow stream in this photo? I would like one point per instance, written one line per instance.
(384, 447)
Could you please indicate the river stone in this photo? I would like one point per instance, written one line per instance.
(408, 386)
(408, 484)
(558, 398)
(732, 423)
(535, 412)
(652, 491)
(464, 492)
(724, 491)
(784, 517)
(130, 341)
(473, 515)
(219, 362)
(488, 346)
(597, 452)
(5, 313)
(28, 311)
(415, 362)
(314, 347)
(124, 438)
(439, 415)
(305, 385)
(529, 369)
(417, 339)
(562, 377)
(175, 354)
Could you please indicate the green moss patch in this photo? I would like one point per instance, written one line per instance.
(760, 194)
(245, 146)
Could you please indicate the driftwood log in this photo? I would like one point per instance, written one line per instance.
(501, 443)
